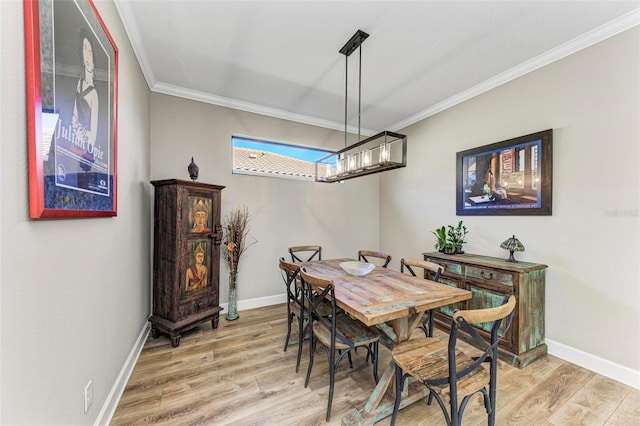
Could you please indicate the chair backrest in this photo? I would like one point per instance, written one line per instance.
(411, 265)
(370, 256)
(305, 253)
(462, 322)
(316, 291)
(290, 274)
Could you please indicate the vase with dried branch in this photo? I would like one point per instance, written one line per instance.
(236, 231)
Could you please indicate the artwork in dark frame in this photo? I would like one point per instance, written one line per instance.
(511, 177)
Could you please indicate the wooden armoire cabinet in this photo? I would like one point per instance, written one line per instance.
(186, 256)
(489, 279)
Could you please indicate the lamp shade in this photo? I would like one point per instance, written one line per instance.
(384, 151)
(512, 244)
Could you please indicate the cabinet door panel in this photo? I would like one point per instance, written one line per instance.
(482, 298)
(448, 309)
(197, 273)
(199, 215)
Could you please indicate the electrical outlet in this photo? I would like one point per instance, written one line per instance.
(88, 395)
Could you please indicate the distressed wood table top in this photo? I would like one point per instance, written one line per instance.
(384, 295)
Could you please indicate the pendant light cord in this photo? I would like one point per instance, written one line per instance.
(346, 85)
(359, 89)
(354, 43)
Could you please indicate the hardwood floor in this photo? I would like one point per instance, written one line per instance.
(239, 374)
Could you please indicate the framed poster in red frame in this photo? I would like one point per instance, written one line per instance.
(72, 74)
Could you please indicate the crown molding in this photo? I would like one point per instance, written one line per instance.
(581, 42)
(130, 27)
(181, 92)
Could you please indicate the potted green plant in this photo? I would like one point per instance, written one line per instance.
(456, 237)
(441, 234)
(450, 239)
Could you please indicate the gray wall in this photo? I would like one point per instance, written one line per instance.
(341, 217)
(591, 100)
(74, 293)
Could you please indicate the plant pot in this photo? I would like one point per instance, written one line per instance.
(451, 251)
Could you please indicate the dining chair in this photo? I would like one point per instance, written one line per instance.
(338, 333)
(413, 266)
(295, 308)
(295, 305)
(305, 253)
(447, 371)
(383, 258)
(377, 258)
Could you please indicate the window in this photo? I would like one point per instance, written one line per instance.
(274, 159)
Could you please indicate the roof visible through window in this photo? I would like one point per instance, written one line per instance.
(274, 159)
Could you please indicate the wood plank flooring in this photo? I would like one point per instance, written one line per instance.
(239, 374)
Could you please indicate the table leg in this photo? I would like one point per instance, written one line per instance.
(376, 409)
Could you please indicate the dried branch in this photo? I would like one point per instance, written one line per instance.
(236, 230)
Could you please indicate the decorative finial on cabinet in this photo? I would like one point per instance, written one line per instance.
(193, 170)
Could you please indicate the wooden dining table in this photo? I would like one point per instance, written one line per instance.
(393, 302)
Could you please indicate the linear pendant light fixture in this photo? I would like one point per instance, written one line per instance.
(384, 151)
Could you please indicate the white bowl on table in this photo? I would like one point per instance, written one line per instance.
(357, 268)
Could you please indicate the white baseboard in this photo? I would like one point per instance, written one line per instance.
(596, 364)
(111, 403)
(257, 303)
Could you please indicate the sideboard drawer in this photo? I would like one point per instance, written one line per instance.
(449, 267)
(488, 275)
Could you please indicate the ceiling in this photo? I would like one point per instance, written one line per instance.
(280, 58)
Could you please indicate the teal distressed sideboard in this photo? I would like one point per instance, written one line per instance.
(489, 279)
